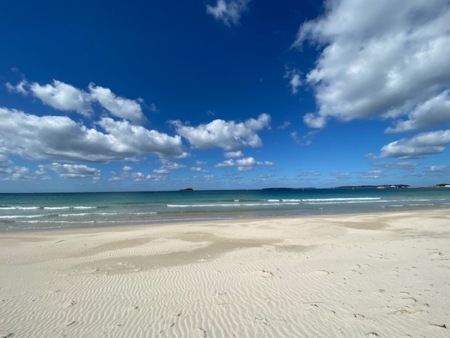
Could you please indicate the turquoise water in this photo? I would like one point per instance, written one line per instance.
(70, 210)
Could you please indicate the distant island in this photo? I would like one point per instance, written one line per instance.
(382, 186)
(352, 187)
(187, 189)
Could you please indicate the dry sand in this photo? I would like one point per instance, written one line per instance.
(366, 275)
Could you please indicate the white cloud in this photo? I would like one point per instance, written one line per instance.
(18, 88)
(305, 140)
(140, 140)
(17, 173)
(243, 164)
(154, 108)
(295, 80)
(228, 11)
(442, 170)
(397, 165)
(234, 154)
(173, 165)
(372, 174)
(222, 134)
(433, 112)
(139, 177)
(61, 139)
(226, 163)
(295, 83)
(161, 171)
(284, 125)
(420, 145)
(65, 97)
(74, 170)
(5, 163)
(307, 173)
(380, 59)
(11, 172)
(62, 96)
(168, 166)
(127, 168)
(118, 106)
(246, 162)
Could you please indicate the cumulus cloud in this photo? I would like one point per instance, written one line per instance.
(116, 105)
(295, 80)
(228, 135)
(19, 88)
(5, 163)
(60, 138)
(74, 170)
(226, 163)
(128, 137)
(442, 170)
(383, 59)
(18, 173)
(234, 154)
(12, 172)
(168, 166)
(65, 97)
(61, 96)
(418, 146)
(243, 164)
(433, 112)
(228, 11)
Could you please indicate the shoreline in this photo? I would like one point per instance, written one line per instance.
(111, 226)
(367, 274)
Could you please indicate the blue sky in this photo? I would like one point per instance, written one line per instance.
(223, 94)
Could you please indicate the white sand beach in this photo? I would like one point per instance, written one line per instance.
(365, 275)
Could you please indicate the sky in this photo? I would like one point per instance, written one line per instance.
(223, 94)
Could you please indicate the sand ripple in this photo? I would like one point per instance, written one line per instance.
(390, 281)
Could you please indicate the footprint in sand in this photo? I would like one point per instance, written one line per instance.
(436, 254)
(70, 304)
(268, 274)
(407, 305)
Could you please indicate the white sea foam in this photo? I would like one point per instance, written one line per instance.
(145, 213)
(74, 215)
(56, 208)
(19, 208)
(345, 202)
(21, 216)
(236, 204)
(341, 199)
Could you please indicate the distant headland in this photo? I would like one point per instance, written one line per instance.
(356, 187)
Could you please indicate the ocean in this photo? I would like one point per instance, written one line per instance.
(22, 212)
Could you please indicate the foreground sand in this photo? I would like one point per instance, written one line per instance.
(371, 275)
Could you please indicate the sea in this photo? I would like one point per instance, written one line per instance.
(42, 211)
